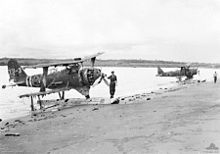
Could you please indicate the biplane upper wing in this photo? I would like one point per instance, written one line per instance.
(92, 56)
(66, 63)
(44, 93)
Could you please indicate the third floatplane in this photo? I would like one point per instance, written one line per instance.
(184, 71)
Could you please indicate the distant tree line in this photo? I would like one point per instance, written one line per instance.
(113, 63)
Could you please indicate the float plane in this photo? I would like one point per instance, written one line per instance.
(184, 71)
(74, 76)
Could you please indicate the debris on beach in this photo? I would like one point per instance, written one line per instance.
(212, 146)
(19, 121)
(116, 101)
(12, 134)
(95, 109)
(63, 115)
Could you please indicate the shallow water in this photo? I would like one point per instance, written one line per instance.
(130, 81)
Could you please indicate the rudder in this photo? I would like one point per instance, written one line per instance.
(16, 73)
(159, 71)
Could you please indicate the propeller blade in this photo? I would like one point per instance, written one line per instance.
(96, 83)
(106, 82)
(102, 78)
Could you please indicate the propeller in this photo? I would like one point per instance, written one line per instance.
(102, 78)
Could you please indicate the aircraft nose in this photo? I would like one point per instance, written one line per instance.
(97, 73)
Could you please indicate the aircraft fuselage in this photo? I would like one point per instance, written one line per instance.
(70, 77)
(189, 73)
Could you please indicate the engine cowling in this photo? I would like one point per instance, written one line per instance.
(89, 75)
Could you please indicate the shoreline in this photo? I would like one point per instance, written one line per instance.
(178, 120)
(123, 99)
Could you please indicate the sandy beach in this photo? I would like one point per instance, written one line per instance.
(180, 120)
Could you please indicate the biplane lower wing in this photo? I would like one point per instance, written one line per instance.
(44, 93)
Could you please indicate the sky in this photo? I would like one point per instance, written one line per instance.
(177, 30)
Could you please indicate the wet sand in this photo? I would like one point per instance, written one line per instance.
(180, 120)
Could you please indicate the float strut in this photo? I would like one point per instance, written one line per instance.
(40, 103)
(32, 104)
(63, 94)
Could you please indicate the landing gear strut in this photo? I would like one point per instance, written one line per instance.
(61, 95)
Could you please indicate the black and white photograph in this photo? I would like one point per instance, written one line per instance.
(109, 76)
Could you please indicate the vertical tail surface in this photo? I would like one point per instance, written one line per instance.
(16, 73)
(159, 71)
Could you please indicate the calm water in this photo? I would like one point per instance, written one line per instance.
(130, 81)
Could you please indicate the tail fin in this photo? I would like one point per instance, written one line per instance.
(159, 71)
(16, 73)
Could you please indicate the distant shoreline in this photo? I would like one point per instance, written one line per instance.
(114, 63)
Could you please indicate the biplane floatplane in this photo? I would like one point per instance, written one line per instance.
(74, 76)
(185, 71)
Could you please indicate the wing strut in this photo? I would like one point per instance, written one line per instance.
(93, 61)
(44, 79)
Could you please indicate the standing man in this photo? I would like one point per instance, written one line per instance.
(215, 77)
(113, 82)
